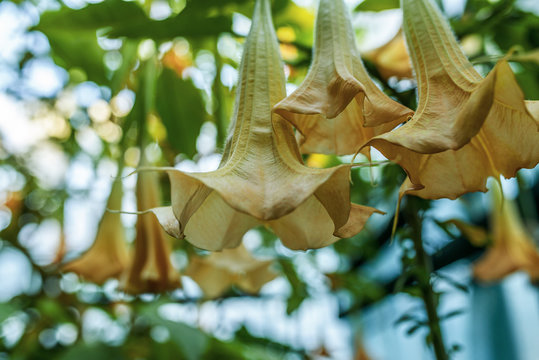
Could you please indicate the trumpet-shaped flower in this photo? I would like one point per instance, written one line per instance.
(512, 249)
(261, 178)
(216, 273)
(391, 59)
(338, 107)
(466, 128)
(150, 269)
(108, 256)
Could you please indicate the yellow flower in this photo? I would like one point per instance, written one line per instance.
(108, 256)
(338, 107)
(392, 59)
(466, 128)
(261, 178)
(512, 248)
(216, 273)
(150, 269)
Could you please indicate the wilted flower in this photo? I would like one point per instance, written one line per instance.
(466, 128)
(108, 256)
(218, 271)
(150, 269)
(261, 179)
(512, 248)
(337, 108)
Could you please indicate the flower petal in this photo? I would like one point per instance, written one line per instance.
(108, 256)
(215, 225)
(337, 100)
(469, 128)
(307, 227)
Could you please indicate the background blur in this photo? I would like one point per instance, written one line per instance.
(76, 75)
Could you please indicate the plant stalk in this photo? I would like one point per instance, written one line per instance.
(423, 277)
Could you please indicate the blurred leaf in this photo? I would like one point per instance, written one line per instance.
(82, 351)
(192, 342)
(452, 314)
(413, 329)
(377, 5)
(299, 287)
(126, 19)
(80, 51)
(6, 310)
(180, 105)
(405, 318)
(109, 13)
(129, 58)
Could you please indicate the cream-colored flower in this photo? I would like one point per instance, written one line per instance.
(150, 269)
(512, 247)
(337, 108)
(108, 256)
(217, 272)
(391, 59)
(466, 128)
(262, 179)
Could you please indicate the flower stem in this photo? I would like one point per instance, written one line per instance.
(218, 99)
(424, 269)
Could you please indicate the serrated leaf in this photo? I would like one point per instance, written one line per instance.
(180, 105)
(377, 5)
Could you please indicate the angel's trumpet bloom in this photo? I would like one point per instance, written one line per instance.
(338, 107)
(261, 179)
(391, 59)
(216, 273)
(150, 269)
(512, 248)
(108, 256)
(466, 128)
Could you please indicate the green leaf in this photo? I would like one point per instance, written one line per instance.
(82, 351)
(6, 310)
(110, 13)
(299, 287)
(129, 58)
(120, 18)
(80, 51)
(377, 5)
(180, 105)
(192, 342)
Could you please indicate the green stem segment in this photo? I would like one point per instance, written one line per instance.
(424, 266)
(218, 108)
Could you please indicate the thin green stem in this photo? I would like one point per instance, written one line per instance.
(424, 269)
(218, 111)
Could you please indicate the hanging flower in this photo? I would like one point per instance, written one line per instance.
(261, 178)
(217, 272)
(512, 247)
(108, 256)
(150, 269)
(466, 128)
(391, 59)
(337, 108)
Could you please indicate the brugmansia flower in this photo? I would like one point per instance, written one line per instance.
(338, 107)
(150, 269)
(261, 178)
(391, 59)
(217, 272)
(466, 128)
(512, 248)
(108, 256)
